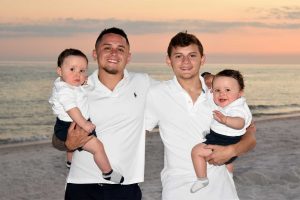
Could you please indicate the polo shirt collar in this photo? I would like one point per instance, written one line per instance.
(95, 82)
(176, 87)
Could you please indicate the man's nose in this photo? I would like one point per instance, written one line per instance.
(113, 51)
(185, 59)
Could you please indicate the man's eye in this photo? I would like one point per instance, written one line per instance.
(178, 56)
(228, 90)
(121, 50)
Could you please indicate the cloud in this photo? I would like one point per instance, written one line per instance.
(69, 26)
(284, 13)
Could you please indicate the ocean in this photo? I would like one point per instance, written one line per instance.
(25, 114)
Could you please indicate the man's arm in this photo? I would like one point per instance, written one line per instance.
(76, 138)
(221, 154)
(58, 144)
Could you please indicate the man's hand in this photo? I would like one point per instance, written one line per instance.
(220, 154)
(77, 137)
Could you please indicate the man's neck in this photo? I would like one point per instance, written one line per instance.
(109, 80)
(192, 86)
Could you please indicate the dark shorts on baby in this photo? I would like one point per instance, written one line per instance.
(61, 129)
(223, 140)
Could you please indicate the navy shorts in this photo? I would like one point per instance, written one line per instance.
(223, 140)
(61, 129)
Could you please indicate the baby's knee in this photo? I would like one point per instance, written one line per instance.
(197, 149)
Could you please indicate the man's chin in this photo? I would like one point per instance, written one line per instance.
(111, 71)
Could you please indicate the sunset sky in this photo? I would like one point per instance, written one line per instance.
(232, 31)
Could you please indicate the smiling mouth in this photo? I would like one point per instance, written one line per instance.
(186, 68)
(222, 100)
(113, 61)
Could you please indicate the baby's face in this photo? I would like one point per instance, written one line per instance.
(73, 70)
(225, 90)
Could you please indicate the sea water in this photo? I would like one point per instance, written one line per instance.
(25, 114)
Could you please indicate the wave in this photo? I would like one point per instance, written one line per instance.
(260, 110)
(261, 107)
(15, 140)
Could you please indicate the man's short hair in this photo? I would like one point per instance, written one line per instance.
(183, 39)
(113, 30)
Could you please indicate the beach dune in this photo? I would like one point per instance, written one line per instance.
(35, 171)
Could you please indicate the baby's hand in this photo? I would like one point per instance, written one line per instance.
(89, 127)
(219, 117)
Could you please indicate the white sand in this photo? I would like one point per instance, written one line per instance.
(270, 172)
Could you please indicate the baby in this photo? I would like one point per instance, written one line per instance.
(230, 122)
(69, 103)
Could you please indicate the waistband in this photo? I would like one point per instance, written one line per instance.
(107, 185)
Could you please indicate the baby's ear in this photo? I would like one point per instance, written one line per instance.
(58, 71)
(242, 93)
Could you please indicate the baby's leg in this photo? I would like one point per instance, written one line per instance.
(69, 158)
(95, 147)
(198, 156)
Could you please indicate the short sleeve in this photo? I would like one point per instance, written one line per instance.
(151, 118)
(66, 96)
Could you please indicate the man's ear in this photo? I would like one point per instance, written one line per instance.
(168, 61)
(129, 58)
(203, 59)
(94, 54)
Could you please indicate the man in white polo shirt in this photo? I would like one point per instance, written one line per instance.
(117, 104)
(183, 112)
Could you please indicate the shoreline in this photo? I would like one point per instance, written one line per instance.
(155, 130)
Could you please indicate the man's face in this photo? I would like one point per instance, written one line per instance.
(112, 54)
(186, 61)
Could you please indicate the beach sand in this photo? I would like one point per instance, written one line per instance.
(35, 171)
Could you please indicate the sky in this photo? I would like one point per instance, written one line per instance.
(231, 31)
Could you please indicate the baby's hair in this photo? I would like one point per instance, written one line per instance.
(205, 73)
(69, 52)
(233, 74)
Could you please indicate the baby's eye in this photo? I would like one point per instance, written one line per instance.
(72, 69)
(82, 70)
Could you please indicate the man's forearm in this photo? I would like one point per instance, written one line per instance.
(58, 144)
(247, 142)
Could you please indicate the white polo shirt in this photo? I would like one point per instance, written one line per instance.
(181, 124)
(237, 108)
(65, 97)
(119, 119)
